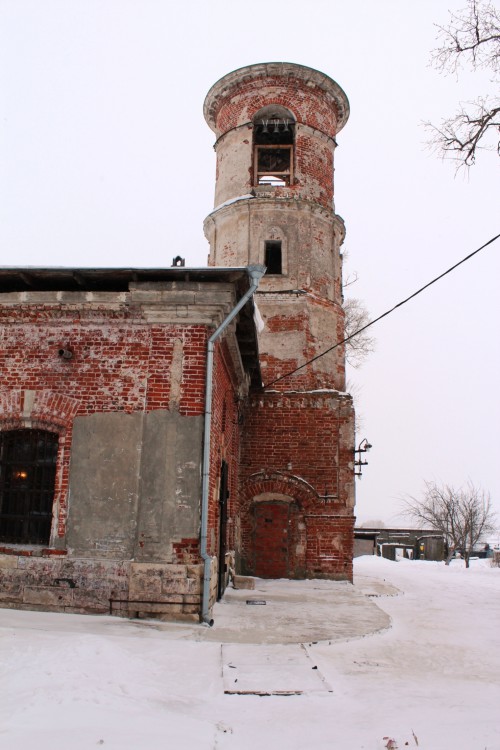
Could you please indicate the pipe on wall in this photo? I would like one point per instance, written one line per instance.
(255, 272)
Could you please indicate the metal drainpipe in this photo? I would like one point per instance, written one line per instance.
(255, 272)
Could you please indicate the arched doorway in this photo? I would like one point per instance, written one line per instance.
(27, 476)
(273, 525)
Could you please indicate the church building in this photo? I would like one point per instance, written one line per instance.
(163, 428)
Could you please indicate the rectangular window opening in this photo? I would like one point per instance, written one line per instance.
(273, 257)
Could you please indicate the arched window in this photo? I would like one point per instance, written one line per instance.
(274, 133)
(27, 475)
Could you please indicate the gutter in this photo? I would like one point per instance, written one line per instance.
(255, 272)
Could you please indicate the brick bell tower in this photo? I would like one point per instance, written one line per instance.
(275, 127)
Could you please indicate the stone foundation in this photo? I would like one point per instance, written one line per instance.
(94, 586)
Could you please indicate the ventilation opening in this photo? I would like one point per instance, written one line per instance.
(273, 257)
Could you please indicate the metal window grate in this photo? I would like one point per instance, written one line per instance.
(27, 475)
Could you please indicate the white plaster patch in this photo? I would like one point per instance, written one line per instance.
(176, 374)
(29, 401)
(258, 320)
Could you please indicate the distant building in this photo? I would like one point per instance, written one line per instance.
(414, 544)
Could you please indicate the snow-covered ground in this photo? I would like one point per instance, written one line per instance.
(431, 680)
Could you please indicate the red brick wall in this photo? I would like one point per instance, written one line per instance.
(296, 462)
(307, 102)
(296, 433)
(120, 363)
(225, 442)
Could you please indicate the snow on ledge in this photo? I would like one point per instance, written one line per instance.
(233, 200)
(316, 390)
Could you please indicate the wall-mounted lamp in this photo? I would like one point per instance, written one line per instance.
(363, 447)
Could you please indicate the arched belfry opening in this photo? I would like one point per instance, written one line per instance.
(273, 152)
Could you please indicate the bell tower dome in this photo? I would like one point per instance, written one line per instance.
(276, 125)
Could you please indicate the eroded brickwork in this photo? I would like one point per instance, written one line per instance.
(128, 408)
(301, 304)
(295, 514)
(297, 456)
(119, 361)
(320, 108)
(119, 376)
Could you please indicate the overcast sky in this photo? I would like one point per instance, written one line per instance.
(106, 160)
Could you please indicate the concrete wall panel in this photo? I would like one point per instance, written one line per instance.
(104, 484)
(170, 486)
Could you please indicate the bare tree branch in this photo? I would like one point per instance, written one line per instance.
(351, 279)
(472, 38)
(360, 346)
(464, 134)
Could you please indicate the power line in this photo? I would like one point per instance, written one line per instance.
(384, 315)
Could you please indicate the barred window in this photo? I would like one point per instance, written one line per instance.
(27, 477)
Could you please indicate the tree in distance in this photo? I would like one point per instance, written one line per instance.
(471, 39)
(464, 515)
(360, 346)
(356, 318)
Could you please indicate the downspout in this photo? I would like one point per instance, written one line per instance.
(255, 272)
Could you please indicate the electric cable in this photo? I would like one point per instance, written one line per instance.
(384, 315)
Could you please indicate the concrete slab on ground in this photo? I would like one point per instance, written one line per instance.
(375, 587)
(294, 612)
(260, 669)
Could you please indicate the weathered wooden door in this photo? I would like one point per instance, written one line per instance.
(271, 539)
